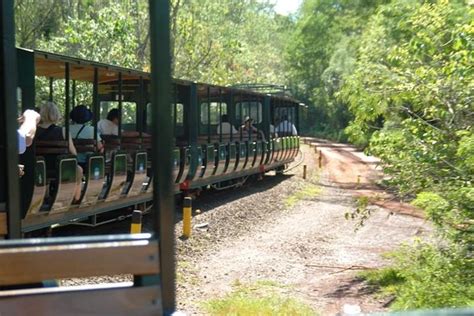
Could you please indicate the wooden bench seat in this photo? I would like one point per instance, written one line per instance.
(28, 262)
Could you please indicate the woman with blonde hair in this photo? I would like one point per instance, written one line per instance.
(49, 131)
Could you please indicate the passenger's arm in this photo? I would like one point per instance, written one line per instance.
(21, 142)
(28, 125)
(72, 148)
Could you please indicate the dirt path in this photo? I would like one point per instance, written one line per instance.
(348, 168)
(309, 247)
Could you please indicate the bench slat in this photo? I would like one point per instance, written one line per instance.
(121, 301)
(35, 264)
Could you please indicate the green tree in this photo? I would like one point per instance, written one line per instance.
(321, 52)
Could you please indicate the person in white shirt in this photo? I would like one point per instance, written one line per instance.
(286, 128)
(109, 125)
(225, 127)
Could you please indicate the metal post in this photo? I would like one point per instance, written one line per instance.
(249, 132)
(193, 115)
(208, 115)
(8, 114)
(175, 107)
(187, 214)
(141, 107)
(136, 226)
(266, 117)
(241, 108)
(95, 101)
(73, 93)
(220, 115)
(67, 101)
(163, 195)
(120, 105)
(51, 80)
(297, 119)
(231, 114)
(258, 117)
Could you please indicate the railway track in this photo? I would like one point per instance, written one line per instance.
(206, 200)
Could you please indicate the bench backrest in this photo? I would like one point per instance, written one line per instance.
(85, 145)
(25, 263)
(60, 147)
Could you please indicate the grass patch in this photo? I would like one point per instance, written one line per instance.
(186, 273)
(260, 298)
(385, 280)
(309, 191)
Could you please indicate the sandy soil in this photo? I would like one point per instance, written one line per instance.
(253, 235)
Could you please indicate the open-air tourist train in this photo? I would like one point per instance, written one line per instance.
(117, 172)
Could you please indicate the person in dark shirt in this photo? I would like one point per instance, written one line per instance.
(49, 131)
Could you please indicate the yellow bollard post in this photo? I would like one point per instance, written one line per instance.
(304, 172)
(136, 227)
(187, 212)
(320, 160)
(358, 181)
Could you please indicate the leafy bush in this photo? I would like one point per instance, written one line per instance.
(427, 276)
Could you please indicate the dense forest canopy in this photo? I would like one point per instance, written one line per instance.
(223, 42)
(394, 77)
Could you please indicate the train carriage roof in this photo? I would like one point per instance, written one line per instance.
(52, 65)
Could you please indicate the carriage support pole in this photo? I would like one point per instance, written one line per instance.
(162, 144)
(9, 186)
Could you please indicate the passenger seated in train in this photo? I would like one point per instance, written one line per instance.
(272, 131)
(79, 129)
(225, 127)
(286, 128)
(110, 125)
(247, 129)
(49, 131)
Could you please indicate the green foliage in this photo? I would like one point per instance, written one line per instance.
(261, 298)
(434, 205)
(321, 52)
(411, 96)
(404, 71)
(361, 213)
(426, 277)
(221, 42)
(228, 42)
(107, 39)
